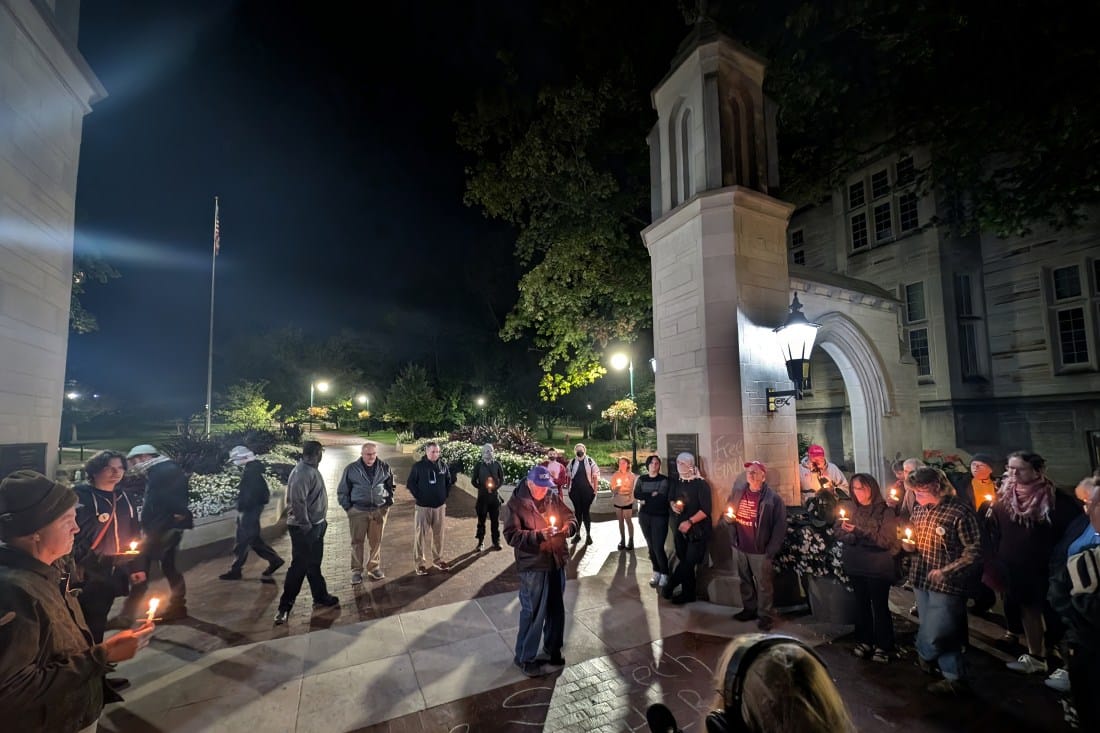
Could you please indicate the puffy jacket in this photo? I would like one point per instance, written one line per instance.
(357, 488)
(51, 672)
(1075, 589)
(771, 522)
(869, 549)
(524, 519)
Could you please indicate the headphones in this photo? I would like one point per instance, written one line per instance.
(746, 649)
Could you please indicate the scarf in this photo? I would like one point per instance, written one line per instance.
(1027, 504)
(143, 468)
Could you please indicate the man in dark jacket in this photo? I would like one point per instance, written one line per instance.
(487, 476)
(758, 525)
(536, 524)
(164, 516)
(366, 494)
(252, 496)
(430, 484)
(1075, 596)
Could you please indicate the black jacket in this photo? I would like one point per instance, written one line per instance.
(121, 525)
(360, 489)
(253, 493)
(869, 549)
(524, 518)
(653, 493)
(165, 499)
(482, 471)
(429, 483)
(771, 522)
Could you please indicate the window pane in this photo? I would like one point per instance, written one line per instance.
(855, 195)
(918, 347)
(880, 184)
(1071, 336)
(1096, 274)
(859, 231)
(968, 350)
(964, 297)
(914, 302)
(797, 239)
(907, 211)
(883, 227)
(799, 257)
(1067, 282)
(905, 173)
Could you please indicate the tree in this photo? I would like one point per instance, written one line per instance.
(412, 398)
(86, 269)
(246, 408)
(621, 410)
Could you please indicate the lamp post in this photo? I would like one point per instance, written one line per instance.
(321, 386)
(620, 361)
(364, 399)
(480, 402)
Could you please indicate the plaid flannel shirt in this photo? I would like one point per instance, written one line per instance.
(948, 539)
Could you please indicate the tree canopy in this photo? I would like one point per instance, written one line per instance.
(86, 269)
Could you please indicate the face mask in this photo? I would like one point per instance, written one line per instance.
(580, 454)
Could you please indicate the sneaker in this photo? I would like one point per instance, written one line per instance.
(532, 669)
(327, 602)
(281, 617)
(654, 580)
(357, 577)
(862, 651)
(480, 547)
(552, 660)
(442, 565)
(231, 575)
(376, 574)
(745, 615)
(497, 547)
(1058, 680)
(881, 656)
(914, 611)
(273, 566)
(1028, 664)
(949, 688)
(764, 623)
(421, 570)
(663, 581)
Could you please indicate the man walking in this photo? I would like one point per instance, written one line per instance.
(487, 477)
(430, 484)
(366, 494)
(164, 516)
(252, 496)
(536, 524)
(307, 507)
(757, 529)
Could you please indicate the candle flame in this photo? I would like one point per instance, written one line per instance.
(133, 546)
(908, 533)
(553, 520)
(989, 497)
(153, 603)
(843, 514)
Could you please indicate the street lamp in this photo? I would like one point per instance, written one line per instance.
(619, 362)
(321, 386)
(364, 399)
(796, 340)
(73, 395)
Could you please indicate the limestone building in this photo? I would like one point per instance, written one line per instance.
(46, 88)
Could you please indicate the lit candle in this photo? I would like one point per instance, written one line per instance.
(908, 535)
(553, 521)
(679, 505)
(989, 497)
(153, 603)
(133, 548)
(618, 482)
(894, 494)
(489, 484)
(729, 512)
(843, 515)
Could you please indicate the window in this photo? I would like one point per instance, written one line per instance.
(1072, 304)
(1073, 336)
(890, 209)
(916, 322)
(1067, 282)
(970, 319)
(798, 242)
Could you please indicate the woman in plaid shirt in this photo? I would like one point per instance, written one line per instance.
(948, 548)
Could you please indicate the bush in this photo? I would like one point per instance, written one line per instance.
(257, 441)
(404, 437)
(195, 453)
(477, 434)
(518, 439)
(601, 431)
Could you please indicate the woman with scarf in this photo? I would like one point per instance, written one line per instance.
(1027, 520)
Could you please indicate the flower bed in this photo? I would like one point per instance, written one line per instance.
(464, 456)
(216, 493)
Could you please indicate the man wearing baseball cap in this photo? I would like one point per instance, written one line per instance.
(816, 474)
(536, 523)
(253, 494)
(757, 528)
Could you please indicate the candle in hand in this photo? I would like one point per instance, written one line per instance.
(679, 505)
(489, 484)
(894, 494)
(729, 512)
(908, 535)
(843, 515)
(133, 548)
(153, 603)
(553, 520)
(989, 497)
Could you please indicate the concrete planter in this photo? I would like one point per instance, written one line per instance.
(831, 601)
(209, 530)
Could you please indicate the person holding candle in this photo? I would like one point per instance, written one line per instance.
(536, 523)
(757, 527)
(1026, 522)
(622, 497)
(51, 670)
(816, 473)
(584, 482)
(691, 508)
(487, 476)
(365, 492)
(253, 495)
(947, 556)
(900, 497)
(651, 489)
(868, 543)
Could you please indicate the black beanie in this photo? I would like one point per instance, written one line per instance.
(988, 460)
(29, 501)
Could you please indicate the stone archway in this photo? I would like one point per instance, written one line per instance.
(868, 385)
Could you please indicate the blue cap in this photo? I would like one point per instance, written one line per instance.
(541, 476)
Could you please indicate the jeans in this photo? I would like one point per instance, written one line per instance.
(655, 531)
(943, 631)
(488, 506)
(368, 524)
(307, 549)
(757, 583)
(688, 557)
(163, 547)
(248, 538)
(874, 625)
(541, 613)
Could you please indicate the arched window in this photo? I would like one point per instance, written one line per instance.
(687, 187)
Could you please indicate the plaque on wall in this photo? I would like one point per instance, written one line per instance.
(15, 456)
(678, 443)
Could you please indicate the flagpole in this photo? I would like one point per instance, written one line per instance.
(210, 349)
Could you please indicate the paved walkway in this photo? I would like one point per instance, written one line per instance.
(434, 653)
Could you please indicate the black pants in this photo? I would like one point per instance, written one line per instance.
(688, 557)
(582, 507)
(874, 624)
(163, 548)
(655, 531)
(97, 594)
(307, 549)
(248, 538)
(488, 505)
(1084, 681)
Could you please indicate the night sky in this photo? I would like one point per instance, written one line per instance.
(330, 143)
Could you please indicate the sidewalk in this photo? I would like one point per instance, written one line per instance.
(434, 653)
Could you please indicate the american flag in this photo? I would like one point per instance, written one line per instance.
(217, 229)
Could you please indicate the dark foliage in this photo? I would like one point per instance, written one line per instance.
(293, 433)
(601, 431)
(257, 441)
(477, 434)
(281, 470)
(518, 439)
(196, 453)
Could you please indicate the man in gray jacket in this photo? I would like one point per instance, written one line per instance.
(307, 507)
(366, 494)
(757, 519)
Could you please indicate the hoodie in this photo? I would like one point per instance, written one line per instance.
(869, 549)
(487, 474)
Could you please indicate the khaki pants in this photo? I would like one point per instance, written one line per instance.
(429, 534)
(369, 524)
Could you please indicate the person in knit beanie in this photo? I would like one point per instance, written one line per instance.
(51, 674)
